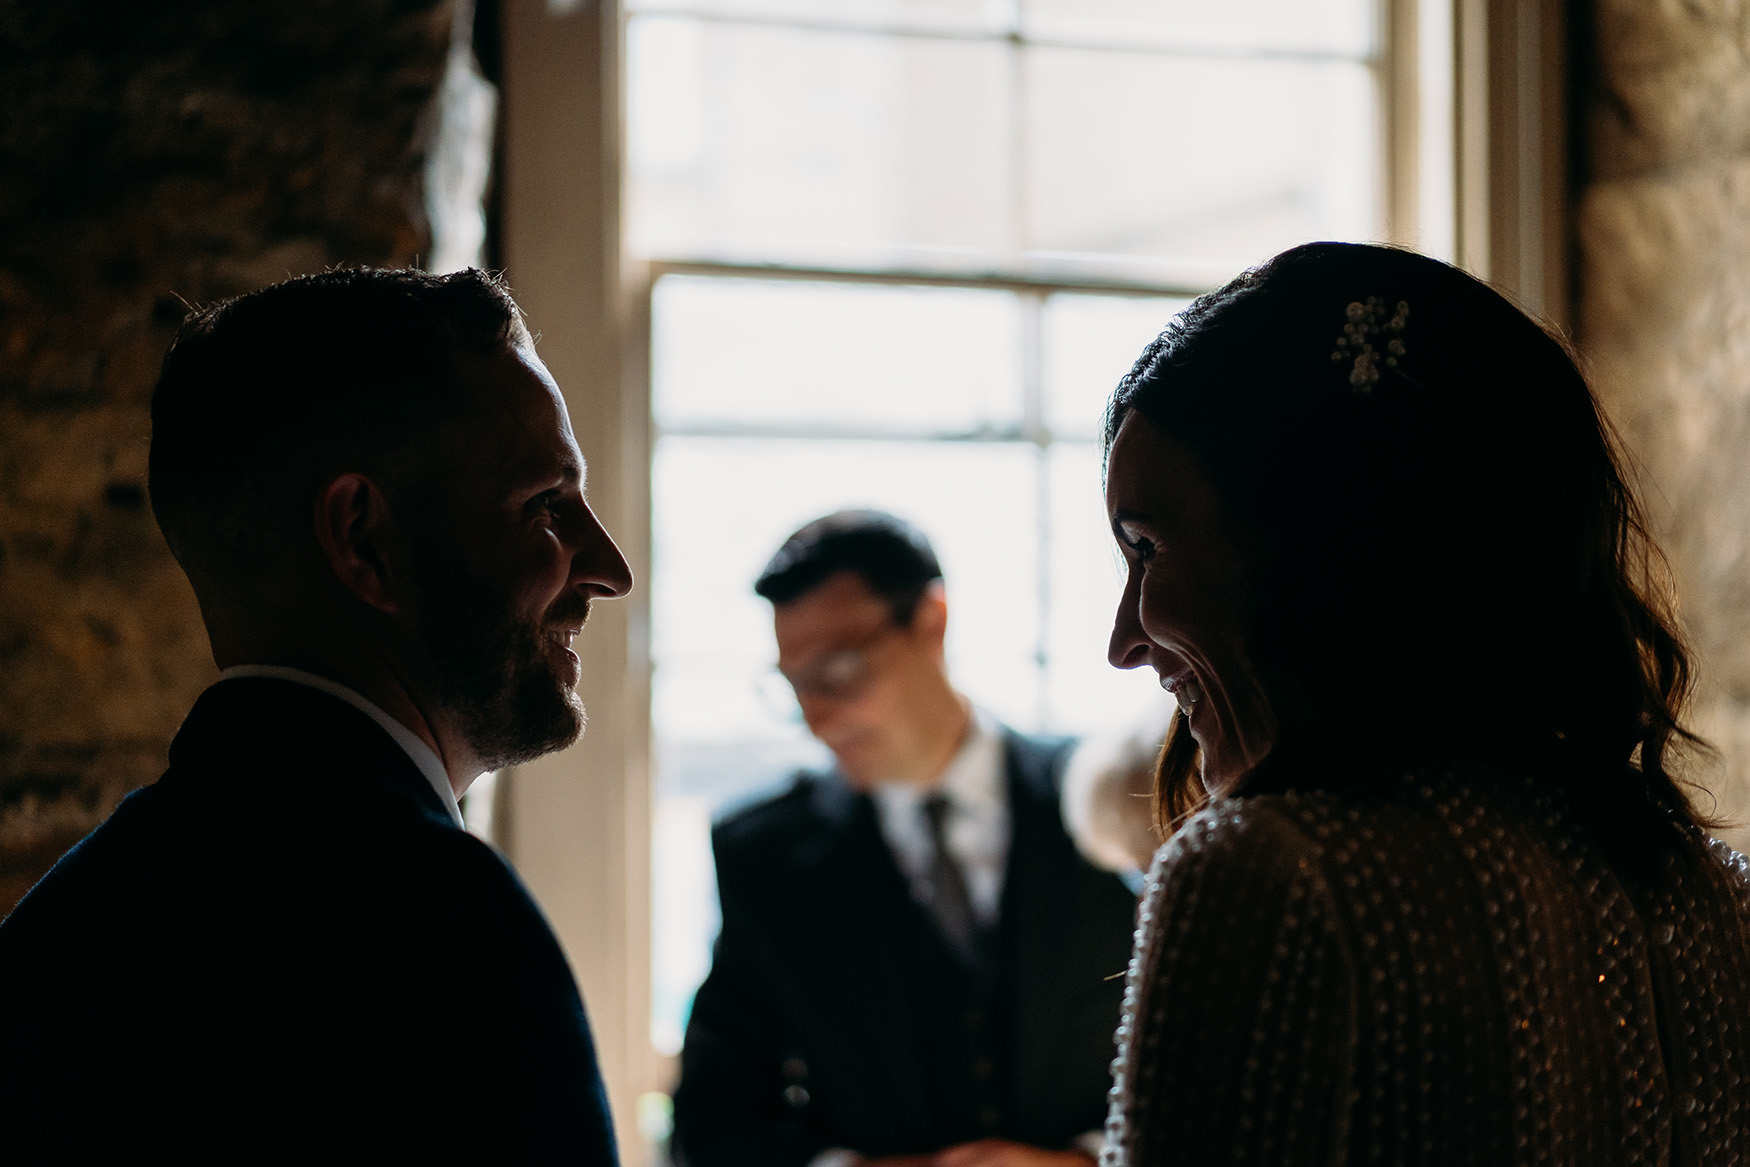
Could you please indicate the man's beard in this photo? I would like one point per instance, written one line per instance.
(494, 673)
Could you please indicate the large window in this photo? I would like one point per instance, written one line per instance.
(899, 254)
(970, 410)
(1149, 140)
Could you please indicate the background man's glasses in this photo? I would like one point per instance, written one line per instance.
(837, 675)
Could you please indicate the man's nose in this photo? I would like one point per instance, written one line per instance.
(596, 562)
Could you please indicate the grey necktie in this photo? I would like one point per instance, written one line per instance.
(949, 900)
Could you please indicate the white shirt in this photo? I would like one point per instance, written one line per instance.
(422, 755)
(977, 826)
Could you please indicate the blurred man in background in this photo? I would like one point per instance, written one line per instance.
(915, 964)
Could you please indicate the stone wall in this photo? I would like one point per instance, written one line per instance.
(150, 156)
(1663, 210)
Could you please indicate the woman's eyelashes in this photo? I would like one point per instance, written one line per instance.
(1140, 546)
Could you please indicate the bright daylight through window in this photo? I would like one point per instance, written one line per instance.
(901, 252)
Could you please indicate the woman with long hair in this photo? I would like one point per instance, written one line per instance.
(1435, 889)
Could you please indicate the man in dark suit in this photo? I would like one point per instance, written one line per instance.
(915, 965)
(287, 949)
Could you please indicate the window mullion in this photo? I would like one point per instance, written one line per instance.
(1039, 436)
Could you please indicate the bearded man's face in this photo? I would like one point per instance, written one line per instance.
(509, 556)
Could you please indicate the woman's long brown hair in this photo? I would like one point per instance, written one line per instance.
(1445, 562)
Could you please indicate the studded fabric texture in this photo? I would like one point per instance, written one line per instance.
(1430, 976)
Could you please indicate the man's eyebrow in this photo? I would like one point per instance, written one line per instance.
(530, 477)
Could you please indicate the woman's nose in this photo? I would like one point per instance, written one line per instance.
(1129, 644)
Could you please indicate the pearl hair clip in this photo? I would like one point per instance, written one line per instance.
(1370, 339)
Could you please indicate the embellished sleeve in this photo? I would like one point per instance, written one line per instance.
(1240, 1018)
(1737, 868)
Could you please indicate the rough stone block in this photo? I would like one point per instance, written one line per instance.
(1664, 316)
(151, 157)
(1672, 80)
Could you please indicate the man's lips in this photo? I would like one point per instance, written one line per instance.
(566, 620)
(569, 662)
(571, 665)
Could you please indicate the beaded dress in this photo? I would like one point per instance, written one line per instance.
(1426, 975)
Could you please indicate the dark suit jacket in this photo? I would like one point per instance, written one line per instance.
(285, 950)
(835, 1015)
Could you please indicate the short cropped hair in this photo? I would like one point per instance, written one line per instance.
(263, 395)
(892, 557)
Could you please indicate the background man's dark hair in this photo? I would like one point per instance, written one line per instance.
(890, 556)
(263, 395)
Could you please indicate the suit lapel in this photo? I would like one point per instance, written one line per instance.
(1044, 916)
(860, 902)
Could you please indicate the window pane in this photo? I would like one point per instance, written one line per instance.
(866, 357)
(1198, 164)
(1335, 26)
(966, 15)
(1085, 694)
(683, 903)
(1089, 343)
(759, 143)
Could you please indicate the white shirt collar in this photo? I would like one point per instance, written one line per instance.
(973, 778)
(422, 755)
(977, 828)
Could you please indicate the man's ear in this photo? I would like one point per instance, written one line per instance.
(355, 529)
(930, 620)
